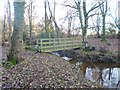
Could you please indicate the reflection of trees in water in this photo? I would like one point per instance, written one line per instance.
(100, 78)
(110, 73)
(100, 74)
(83, 69)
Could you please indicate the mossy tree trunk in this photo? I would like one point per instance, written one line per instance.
(17, 36)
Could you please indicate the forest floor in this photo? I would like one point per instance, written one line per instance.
(47, 70)
(44, 70)
(110, 44)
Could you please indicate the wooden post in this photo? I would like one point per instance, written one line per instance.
(72, 43)
(54, 44)
(41, 45)
(64, 43)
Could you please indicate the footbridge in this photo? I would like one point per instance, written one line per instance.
(55, 44)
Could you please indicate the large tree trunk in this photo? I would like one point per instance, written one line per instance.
(16, 39)
(84, 42)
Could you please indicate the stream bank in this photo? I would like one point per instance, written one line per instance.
(97, 67)
(89, 56)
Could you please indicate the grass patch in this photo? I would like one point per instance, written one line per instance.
(86, 49)
(9, 64)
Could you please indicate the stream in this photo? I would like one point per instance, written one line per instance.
(106, 74)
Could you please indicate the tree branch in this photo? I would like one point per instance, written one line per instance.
(69, 6)
(93, 15)
(94, 7)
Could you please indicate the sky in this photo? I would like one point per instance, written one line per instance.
(61, 11)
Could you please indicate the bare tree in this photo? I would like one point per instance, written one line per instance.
(103, 9)
(114, 16)
(53, 19)
(83, 17)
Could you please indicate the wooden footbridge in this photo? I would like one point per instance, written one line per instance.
(55, 44)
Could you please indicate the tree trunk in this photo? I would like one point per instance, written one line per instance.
(46, 19)
(81, 23)
(4, 29)
(85, 26)
(104, 9)
(98, 32)
(16, 39)
(69, 26)
(98, 27)
(9, 19)
(30, 21)
(103, 29)
(56, 26)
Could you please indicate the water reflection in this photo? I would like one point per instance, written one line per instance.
(106, 74)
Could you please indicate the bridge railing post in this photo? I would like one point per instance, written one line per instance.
(73, 42)
(64, 43)
(54, 44)
(41, 45)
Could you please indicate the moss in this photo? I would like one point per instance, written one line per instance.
(29, 48)
(104, 40)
